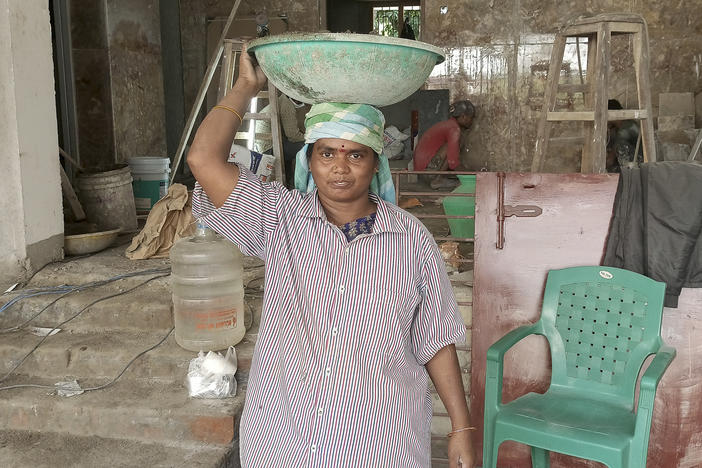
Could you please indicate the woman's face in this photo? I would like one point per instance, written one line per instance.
(342, 169)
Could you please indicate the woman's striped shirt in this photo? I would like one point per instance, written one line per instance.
(338, 377)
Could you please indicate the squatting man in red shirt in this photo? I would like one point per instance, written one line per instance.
(358, 310)
(439, 148)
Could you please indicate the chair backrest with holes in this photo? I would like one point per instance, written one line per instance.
(601, 324)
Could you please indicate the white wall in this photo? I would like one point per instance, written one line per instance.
(12, 248)
(30, 194)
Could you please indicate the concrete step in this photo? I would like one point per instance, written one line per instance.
(111, 262)
(147, 308)
(50, 450)
(103, 355)
(142, 411)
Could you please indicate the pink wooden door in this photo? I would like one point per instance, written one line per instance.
(508, 289)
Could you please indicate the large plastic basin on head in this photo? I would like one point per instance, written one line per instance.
(341, 67)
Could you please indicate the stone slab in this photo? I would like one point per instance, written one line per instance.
(140, 411)
(104, 355)
(674, 151)
(668, 123)
(676, 104)
(147, 308)
(50, 450)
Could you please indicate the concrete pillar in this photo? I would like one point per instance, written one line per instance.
(31, 224)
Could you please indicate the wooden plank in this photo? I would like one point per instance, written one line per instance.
(209, 73)
(598, 163)
(643, 85)
(572, 88)
(226, 73)
(567, 140)
(544, 126)
(595, 160)
(257, 116)
(628, 114)
(593, 28)
(696, 146)
(279, 166)
(588, 97)
(609, 17)
(71, 196)
(571, 116)
(621, 114)
(257, 136)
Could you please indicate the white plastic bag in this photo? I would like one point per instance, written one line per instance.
(259, 164)
(393, 142)
(212, 375)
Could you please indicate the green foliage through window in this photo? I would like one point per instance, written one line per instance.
(386, 20)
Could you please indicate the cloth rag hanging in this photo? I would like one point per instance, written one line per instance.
(656, 228)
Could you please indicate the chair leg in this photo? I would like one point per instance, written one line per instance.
(540, 458)
(489, 448)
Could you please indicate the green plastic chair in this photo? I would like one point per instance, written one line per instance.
(601, 324)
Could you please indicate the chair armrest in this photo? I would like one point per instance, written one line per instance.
(494, 368)
(650, 379)
(497, 351)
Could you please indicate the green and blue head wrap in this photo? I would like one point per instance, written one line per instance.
(359, 123)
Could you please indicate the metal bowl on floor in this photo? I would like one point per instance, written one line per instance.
(341, 67)
(82, 244)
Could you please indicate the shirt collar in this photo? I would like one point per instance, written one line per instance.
(386, 219)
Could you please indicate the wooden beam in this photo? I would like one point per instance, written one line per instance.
(567, 140)
(71, 197)
(643, 85)
(544, 128)
(589, 116)
(571, 116)
(572, 88)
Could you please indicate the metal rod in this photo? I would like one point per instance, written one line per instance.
(408, 172)
(442, 216)
(500, 209)
(439, 194)
(455, 239)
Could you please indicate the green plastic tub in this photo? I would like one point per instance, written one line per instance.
(462, 206)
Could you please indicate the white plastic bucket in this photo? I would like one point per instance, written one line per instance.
(150, 180)
(107, 199)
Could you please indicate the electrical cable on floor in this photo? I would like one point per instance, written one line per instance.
(66, 290)
(100, 387)
(2, 379)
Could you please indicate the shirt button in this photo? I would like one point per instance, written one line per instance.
(327, 371)
(335, 331)
(346, 250)
(342, 288)
(320, 411)
(313, 448)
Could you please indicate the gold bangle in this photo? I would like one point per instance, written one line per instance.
(463, 429)
(230, 109)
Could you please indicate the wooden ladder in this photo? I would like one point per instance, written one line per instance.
(598, 30)
(232, 50)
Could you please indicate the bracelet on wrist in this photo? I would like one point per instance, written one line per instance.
(230, 109)
(463, 429)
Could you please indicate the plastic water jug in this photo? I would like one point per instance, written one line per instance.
(208, 293)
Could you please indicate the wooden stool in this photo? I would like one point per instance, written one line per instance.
(598, 30)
